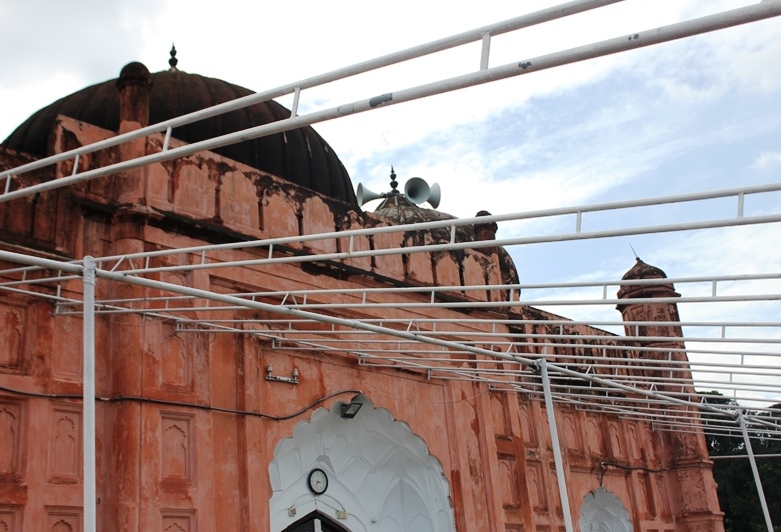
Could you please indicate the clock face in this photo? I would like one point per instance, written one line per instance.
(318, 481)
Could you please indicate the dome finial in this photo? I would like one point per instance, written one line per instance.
(635, 253)
(393, 182)
(173, 61)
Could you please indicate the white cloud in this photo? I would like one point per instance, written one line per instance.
(767, 160)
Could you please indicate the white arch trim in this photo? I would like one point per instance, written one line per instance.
(381, 475)
(603, 512)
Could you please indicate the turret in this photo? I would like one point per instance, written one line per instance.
(646, 312)
(667, 371)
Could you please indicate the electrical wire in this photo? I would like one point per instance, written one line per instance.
(603, 466)
(199, 406)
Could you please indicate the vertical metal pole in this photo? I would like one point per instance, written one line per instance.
(485, 51)
(554, 435)
(88, 439)
(754, 469)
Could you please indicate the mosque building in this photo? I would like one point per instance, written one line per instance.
(219, 419)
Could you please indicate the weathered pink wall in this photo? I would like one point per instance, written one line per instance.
(162, 465)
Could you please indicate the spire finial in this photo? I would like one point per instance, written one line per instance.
(173, 61)
(393, 183)
(635, 253)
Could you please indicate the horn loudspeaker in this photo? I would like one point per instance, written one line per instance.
(365, 195)
(418, 191)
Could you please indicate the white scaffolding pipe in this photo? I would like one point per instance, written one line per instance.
(88, 390)
(755, 471)
(491, 305)
(608, 384)
(743, 15)
(433, 248)
(425, 290)
(350, 323)
(423, 320)
(433, 322)
(439, 45)
(733, 456)
(450, 224)
(554, 434)
(506, 340)
(488, 305)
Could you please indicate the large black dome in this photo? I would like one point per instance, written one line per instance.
(301, 156)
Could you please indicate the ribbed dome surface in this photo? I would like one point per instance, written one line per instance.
(301, 156)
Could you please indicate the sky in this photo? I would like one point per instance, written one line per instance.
(695, 115)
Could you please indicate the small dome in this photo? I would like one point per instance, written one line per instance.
(641, 270)
(134, 73)
(398, 210)
(301, 156)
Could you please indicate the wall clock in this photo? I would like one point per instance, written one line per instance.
(318, 481)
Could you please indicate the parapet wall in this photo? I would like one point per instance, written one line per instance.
(240, 202)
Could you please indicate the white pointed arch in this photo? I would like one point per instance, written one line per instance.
(381, 475)
(603, 512)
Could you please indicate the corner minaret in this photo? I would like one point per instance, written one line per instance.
(666, 334)
(654, 328)
(666, 369)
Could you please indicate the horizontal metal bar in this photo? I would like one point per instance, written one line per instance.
(425, 290)
(518, 322)
(664, 200)
(744, 15)
(523, 21)
(433, 248)
(159, 285)
(733, 456)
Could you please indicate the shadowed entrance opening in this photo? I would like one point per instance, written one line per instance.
(316, 522)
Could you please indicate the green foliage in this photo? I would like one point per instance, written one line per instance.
(737, 491)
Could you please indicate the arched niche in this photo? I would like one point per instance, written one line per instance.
(602, 511)
(381, 477)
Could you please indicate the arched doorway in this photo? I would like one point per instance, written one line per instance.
(603, 512)
(373, 474)
(316, 522)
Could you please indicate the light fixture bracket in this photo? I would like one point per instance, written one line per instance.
(293, 379)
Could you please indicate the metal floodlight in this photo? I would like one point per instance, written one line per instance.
(349, 410)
